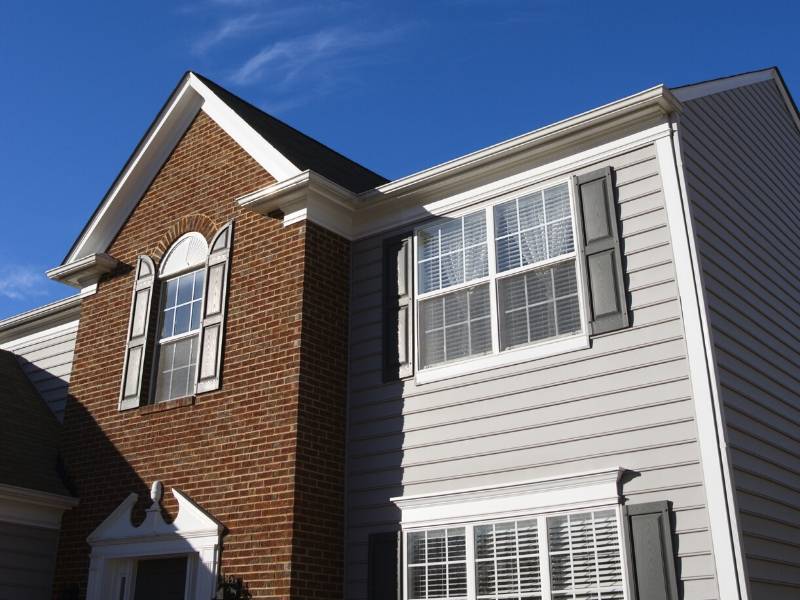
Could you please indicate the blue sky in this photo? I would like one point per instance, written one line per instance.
(398, 86)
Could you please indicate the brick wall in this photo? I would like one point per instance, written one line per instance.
(264, 454)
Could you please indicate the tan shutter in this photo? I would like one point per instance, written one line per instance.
(132, 393)
(398, 318)
(599, 233)
(209, 370)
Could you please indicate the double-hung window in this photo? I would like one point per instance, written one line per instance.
(497, 279)
(575, 556)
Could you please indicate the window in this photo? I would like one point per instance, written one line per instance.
(182, 276)
(480, 294)
(575, 556)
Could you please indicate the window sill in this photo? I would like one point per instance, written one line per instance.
(507, 358)
(167, 405)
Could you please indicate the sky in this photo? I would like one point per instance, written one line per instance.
(397, 86)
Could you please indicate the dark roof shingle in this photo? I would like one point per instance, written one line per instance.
(29, 433)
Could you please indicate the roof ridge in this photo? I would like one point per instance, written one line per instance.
(217, 88)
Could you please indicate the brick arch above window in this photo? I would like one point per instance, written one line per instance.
(197, 222)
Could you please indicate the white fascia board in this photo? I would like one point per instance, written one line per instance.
(25, 506)
(70, 305)
(311, 196)
(85, 271)
(275, 163)
(192, 96)
(656, 99)
(573, 491)
(715, 86)
(726, 539)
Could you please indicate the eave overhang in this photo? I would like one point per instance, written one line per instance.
(85, 271)
(310, 196)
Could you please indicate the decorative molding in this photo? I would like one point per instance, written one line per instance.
(565, 492)
(117, 544)
(313, 197)
(25, 506)
(84, 272)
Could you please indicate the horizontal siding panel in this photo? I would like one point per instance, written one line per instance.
(624, 401)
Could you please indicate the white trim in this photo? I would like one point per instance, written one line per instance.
(24, 506)
(85, 271)
(192, 235)
(13, 344)
(117, 544)
(731, 577)
(590, 489)
(42, 312)
(715, 86)
(191, 96)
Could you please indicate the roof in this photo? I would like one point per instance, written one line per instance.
(29, 433)
(303, 151)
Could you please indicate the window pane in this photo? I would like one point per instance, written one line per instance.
(451, 252)
(534, 228)
(507, 560)
(177, 364)
(437, 563)
(171, 291)
(169, 321)
(182, 319)
(456, 325)
(180, 379)
(185, 288)
(197, 308)
(199, 278)
(584, 555)
(538, 305)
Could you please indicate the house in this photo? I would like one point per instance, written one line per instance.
(563, 366)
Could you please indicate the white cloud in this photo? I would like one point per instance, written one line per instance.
(291, 59)
(18, 282)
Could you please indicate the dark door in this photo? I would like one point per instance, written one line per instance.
(161, 579)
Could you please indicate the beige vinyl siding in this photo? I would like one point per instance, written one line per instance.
(625, 401)
(46, 358)
(27, 561)
(742, 163)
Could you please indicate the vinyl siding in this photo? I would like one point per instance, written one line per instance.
(741, 153)
(27, 560)
(46, 358)
(625, 401)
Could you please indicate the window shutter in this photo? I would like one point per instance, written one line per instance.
(598, 231)
(650, 550)
(398, 321)
(131, 392)
(384, 577)
(209, 369)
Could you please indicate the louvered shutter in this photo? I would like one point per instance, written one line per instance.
(398, 320)
(209, 371)
(132, 392)
(650, 548)
(383, 572)
(599, 233)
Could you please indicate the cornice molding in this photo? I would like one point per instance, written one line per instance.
(32, 507)
(85, 271)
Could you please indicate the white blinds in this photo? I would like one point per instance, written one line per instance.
(584, 556)
(566, 557)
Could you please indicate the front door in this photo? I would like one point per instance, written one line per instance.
(160, 579)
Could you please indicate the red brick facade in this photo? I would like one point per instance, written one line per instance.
(264, 454)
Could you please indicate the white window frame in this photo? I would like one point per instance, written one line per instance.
(499, 358)
(163, 279)
(539, 499)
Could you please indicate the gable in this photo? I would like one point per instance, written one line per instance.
(280, 150)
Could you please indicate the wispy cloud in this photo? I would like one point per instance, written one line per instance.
(20, 282)
(289, 60)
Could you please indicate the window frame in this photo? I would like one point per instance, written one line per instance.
(523, 353)
(541, 518)
(158, 342)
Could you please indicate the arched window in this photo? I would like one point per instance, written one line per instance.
(177, 321)
(182, 278)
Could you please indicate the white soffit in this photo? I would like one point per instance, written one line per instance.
(191, 96)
